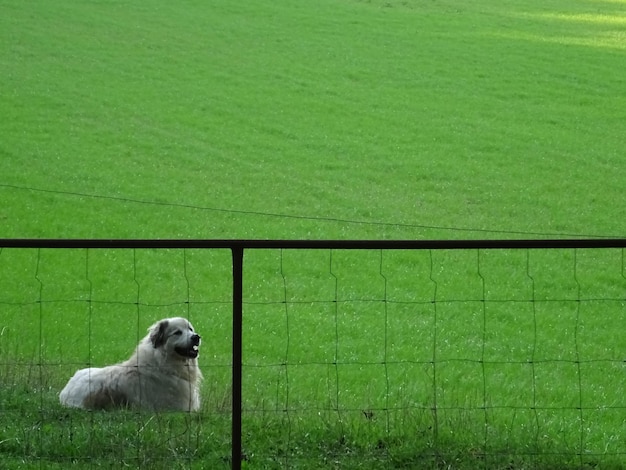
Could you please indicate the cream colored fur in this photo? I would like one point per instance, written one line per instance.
(162, 374)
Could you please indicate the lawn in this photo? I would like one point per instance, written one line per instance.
(256, 120)
(334, 119)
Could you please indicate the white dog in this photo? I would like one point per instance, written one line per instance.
(162, 374)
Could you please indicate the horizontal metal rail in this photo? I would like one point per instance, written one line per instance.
(316, 244)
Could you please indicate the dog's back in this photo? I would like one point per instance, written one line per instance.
(97, 388)
(123, 385)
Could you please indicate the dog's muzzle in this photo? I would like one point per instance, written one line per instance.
(192, 350)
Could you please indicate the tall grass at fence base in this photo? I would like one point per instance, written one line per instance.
(39, 433)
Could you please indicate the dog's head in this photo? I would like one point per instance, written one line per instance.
(175, 336)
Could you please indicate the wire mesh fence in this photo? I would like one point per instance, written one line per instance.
(505, 354)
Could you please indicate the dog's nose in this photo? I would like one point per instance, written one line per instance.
(196, 338)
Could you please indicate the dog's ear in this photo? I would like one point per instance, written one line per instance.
(157, 333)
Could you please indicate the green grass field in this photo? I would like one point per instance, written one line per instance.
(334, 119)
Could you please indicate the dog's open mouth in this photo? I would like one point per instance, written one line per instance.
(191, 352)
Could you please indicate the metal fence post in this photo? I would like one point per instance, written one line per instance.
(237, 252)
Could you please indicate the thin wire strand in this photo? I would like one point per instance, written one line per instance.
(303, 217)
(577, 362)
(533, 360)
(286, 360)
(434, 357)
(138, 310)
(89, 328)
(41, 343)
(482, 358)
(386, 345)
(336, 362)
(188, 305)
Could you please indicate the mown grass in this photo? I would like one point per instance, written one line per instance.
(335, 119)
(490, 116)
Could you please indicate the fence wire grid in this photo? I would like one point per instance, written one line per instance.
(458, 354)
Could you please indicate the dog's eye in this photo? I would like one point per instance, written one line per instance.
(178, 333)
